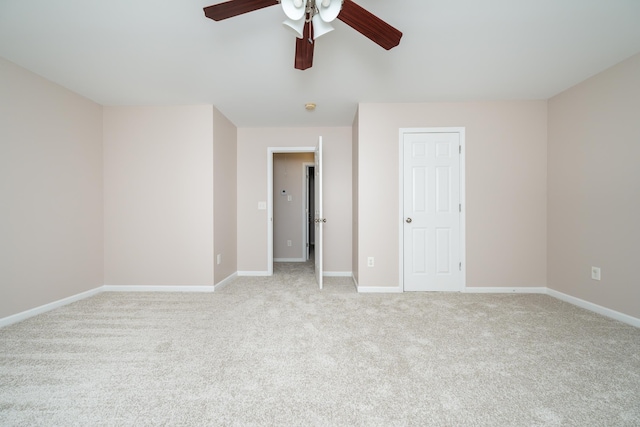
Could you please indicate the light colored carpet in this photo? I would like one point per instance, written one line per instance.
(277, 351)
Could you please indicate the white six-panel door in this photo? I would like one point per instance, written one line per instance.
(432, 212)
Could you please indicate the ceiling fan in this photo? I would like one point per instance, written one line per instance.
(311, 19)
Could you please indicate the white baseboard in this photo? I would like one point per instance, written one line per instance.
(143, 288)
(289, 260)
(504, 290)
(15, 318)
(379, 289)
(224, 282)
(253, 273)
(5, 321)
(337, 274)
(616, 315)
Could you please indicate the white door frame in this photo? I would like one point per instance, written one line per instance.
(270, 152)
(463, 239)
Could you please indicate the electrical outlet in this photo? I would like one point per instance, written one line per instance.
(595, 273)
(288, 242)
(219, 259)
(370, 262)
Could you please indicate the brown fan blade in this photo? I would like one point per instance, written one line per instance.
(369, 25)
(304, 48)
(232, 8)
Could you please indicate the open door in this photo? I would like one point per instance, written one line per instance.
(318, 219)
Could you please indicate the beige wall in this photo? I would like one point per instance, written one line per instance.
(288, 216)
(594, 189)
(505, 188)
(225, 138)
(158, 195)
(128, 195)
(50, 191)
(252, 188)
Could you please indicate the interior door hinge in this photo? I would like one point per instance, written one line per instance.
(460, 207)
(460, 266)
(460, 149)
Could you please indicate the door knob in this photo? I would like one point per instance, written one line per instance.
(408, 220)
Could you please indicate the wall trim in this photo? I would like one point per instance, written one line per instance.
(270, 152)
(289, 260)
(379, 289)
(604, 311)
(616, 315)
(504, 290)
(18, 317)
(154, 288)
(607, 312)
(254, 273)
(224, 282)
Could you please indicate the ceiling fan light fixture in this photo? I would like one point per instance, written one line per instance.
(296, 26)
(304, 11)
(294, 9)
(329, 9)
(320, 27)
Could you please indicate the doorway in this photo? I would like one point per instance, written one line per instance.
(290, 206)
(318, 220)
(309, 242)
(432, 214)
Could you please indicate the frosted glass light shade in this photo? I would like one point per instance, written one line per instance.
(294, 9)
(296, 26)
(320, 27)
(330, 12)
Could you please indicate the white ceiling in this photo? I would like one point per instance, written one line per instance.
(165, 52)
